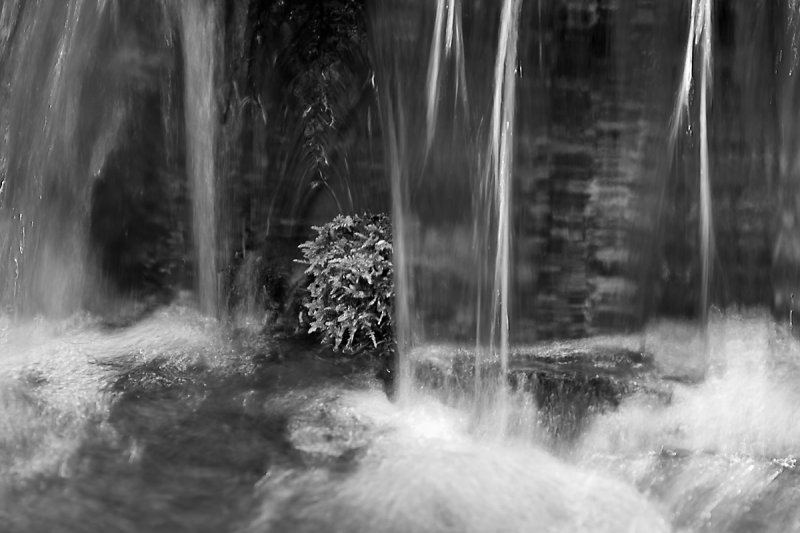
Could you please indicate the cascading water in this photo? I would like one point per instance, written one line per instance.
(477, 229)
(785, 246)
(199, 22)
(52, 147)
(700, 36)
(527, 145)
(79, 134)
(737, 349)
(496, 192)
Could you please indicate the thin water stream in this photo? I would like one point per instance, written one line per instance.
(700, 37)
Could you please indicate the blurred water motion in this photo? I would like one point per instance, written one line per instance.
(149, 147)
(649, 145)
(78, 455)
(171, 424)
(720, 455)
(558, 169)
(589, 184)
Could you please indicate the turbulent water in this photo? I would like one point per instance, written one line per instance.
(173, 423)
(720, 455)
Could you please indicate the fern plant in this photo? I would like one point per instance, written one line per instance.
(351, 291)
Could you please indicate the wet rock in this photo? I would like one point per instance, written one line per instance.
(570, 381)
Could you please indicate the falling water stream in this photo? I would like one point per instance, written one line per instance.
(509, 130)
(700, 36)
(199, 30)
(45, 151)
(498, 182)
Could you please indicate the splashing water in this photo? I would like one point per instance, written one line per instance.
(338, 459)
(427, 474)
(720, 453)
(54, 380)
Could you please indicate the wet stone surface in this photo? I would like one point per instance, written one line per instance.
(570, 381)
(570, 385)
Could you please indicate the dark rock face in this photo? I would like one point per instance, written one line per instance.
(573, 384)
(586, 162)
(608, 213)
(570, 382)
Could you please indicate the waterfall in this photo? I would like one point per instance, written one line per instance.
(496, 192)
(198, 20)
(448, 126)
(98, 84)
(700, 37)
(52, 122)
